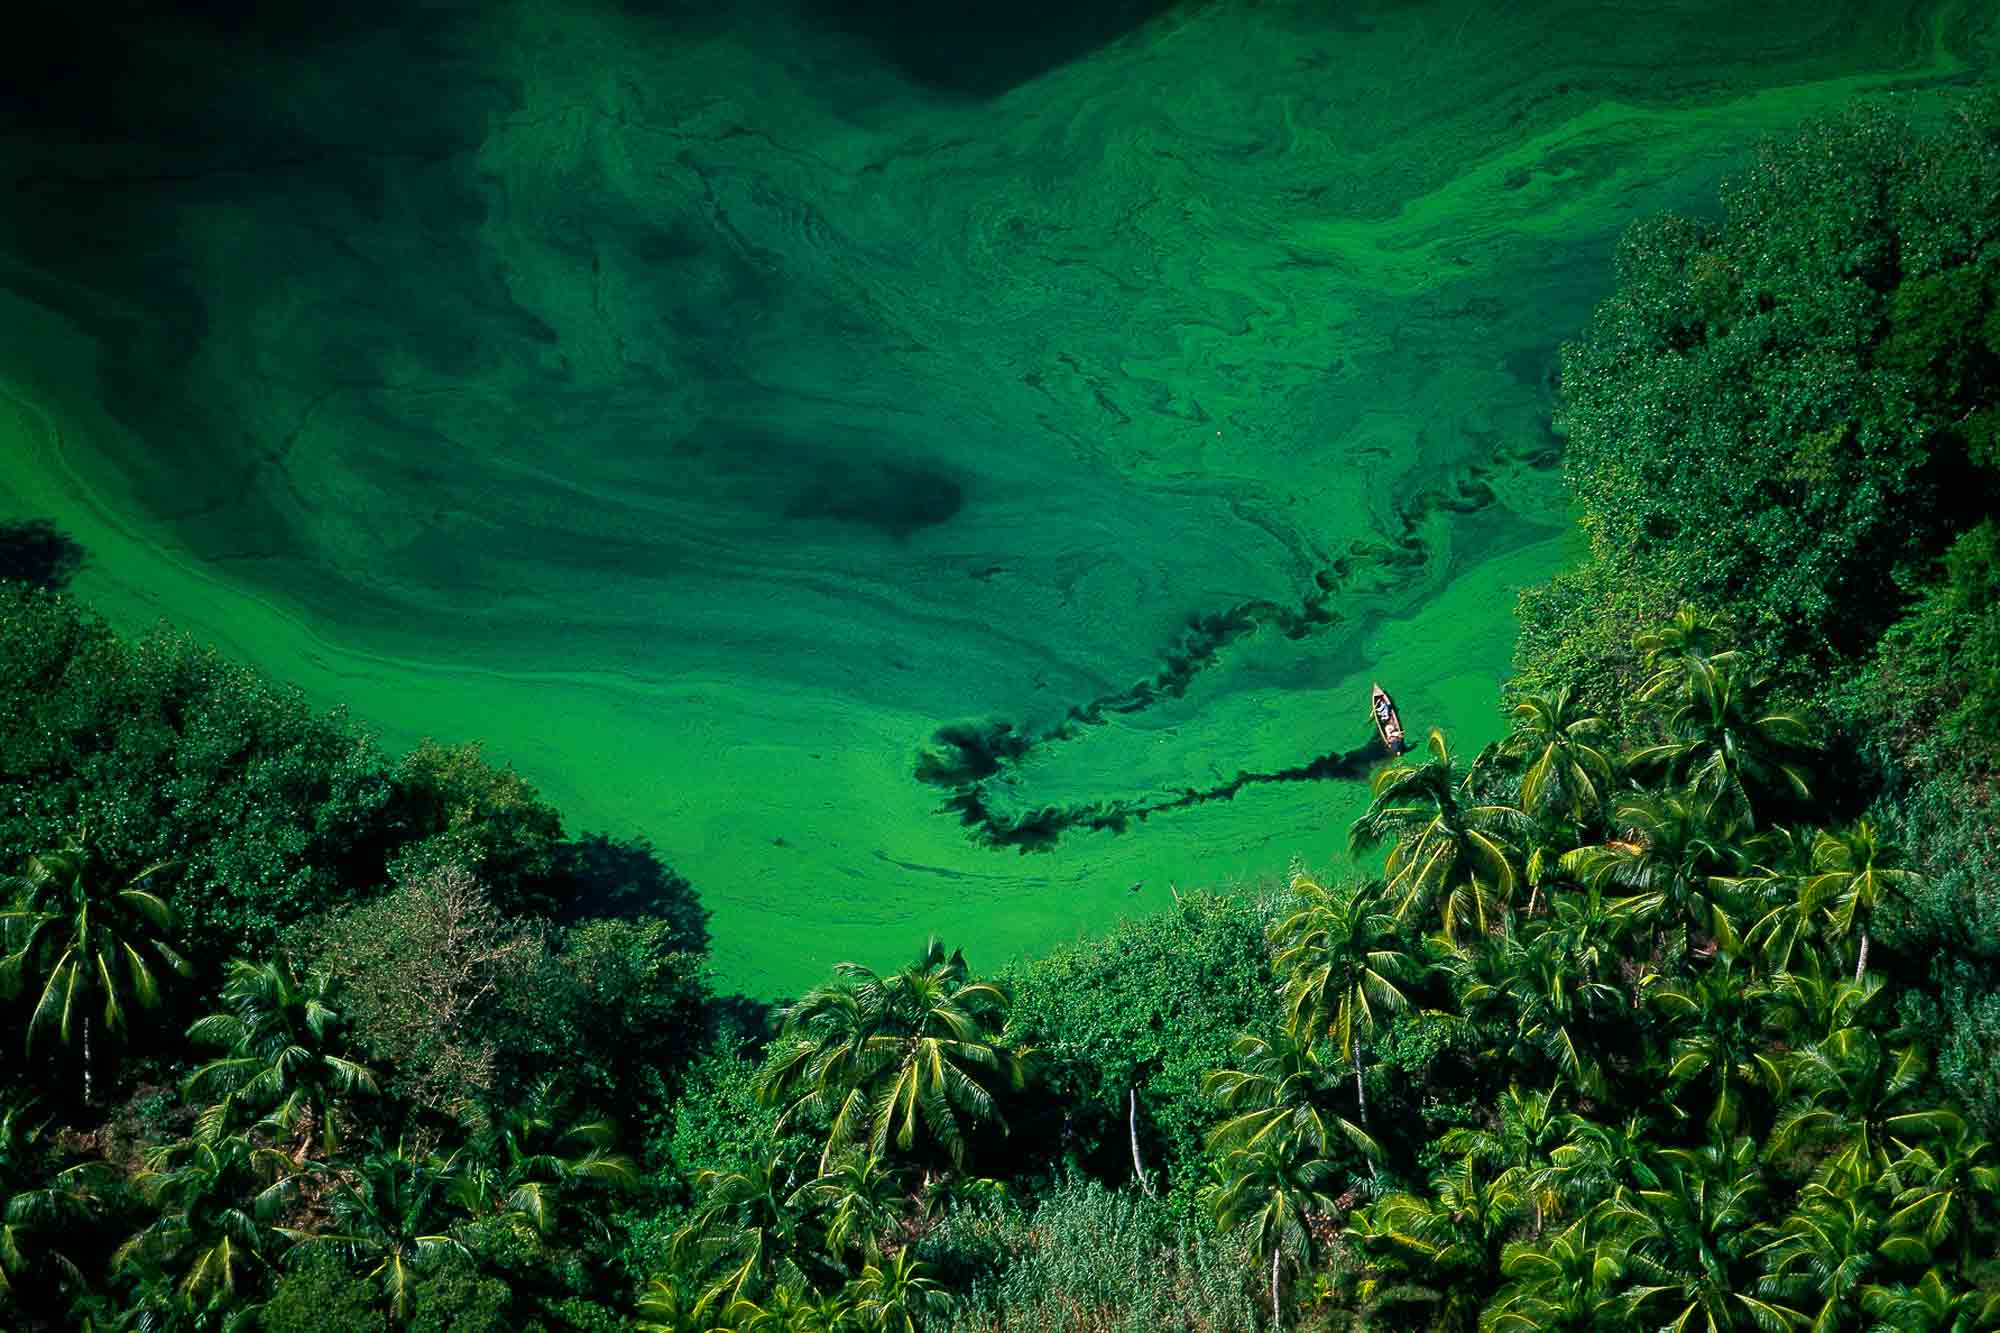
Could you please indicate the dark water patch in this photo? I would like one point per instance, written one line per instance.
(145, 123)
(37, 552)
(841, 477)
(894, 499)
(981, 48)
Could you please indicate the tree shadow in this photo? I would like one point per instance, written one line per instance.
(38, 553)
(739, 1022)
(626, 879)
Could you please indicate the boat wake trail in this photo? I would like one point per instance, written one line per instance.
(1039, 830)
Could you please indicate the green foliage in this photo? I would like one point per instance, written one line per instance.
(317, 1294)
(718, 1121)
(617, 1006)
(911, 1062)
(1154, 1005)
(429, 969)
(269, 812)
(1778, 413)
(458, 1298)
(1936, 672)
(461, 811)
(1577, 630)
(715, 1123)
(167, 753)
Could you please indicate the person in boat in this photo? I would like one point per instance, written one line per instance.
(1382, 707)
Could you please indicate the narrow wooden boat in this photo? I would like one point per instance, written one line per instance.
(1387, 721)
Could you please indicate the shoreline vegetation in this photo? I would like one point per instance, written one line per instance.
(1675, 1008)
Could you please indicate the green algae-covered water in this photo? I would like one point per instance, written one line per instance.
(927, 467)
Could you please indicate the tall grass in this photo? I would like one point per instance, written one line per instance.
(1091, 1260)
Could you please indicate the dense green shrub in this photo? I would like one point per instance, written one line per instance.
(459, 810)
(458, 1298)
(165, 751)
(317, 1294)
(1777, 413)
(1152, 1004)
(716, 1123)
(1934, 691)
(1578, 628)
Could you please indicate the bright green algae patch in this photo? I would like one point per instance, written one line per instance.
(705, 412)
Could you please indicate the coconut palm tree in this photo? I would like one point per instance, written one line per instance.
(1586, 928)
(282, 1058)
(523, 1160)
(1808, 1004)
(1674, 650)
(1855, 873)
(894, 1294)
(788, 1311)
(859, 1199)
(911, 1058)
(1566, 1282)
(1714, 1042)
(1566, 771)
(1524, 996)
(393, 1209)
(1932, 1305)
(39, 1207)
(1826, 1250)
(1594, 1161)
(1277, 1095)
(1672, 862)
(1688, 1243)
(219, 1200)
(1341, 965)
(1941, 1187)
(1445, 846)
(1776, 890)
(1452, 1238)
(669, 1305)
(1529, 1129)
(1724, 747)
(1274, 1189)
(93, 939)
(1854, 1091)
(750, 1235)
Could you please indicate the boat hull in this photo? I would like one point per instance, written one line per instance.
(1388, 722)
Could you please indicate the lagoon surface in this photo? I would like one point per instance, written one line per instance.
(706, 405)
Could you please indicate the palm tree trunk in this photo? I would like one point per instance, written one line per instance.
(1861, 963)
(1275, 1322)
(1361, 1100)
(86, 1059)
(1138, 1167)
(1360, 1089)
